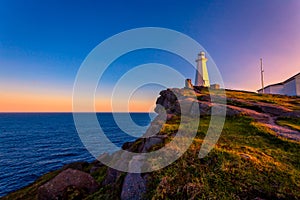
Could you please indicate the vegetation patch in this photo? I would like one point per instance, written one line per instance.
(281, 100)
(247, 162)
(293, 123)
(30, 192)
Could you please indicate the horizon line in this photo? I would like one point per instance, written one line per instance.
(16, 112)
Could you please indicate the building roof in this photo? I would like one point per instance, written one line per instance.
(282, 83)
(276, 84)
(292, 78)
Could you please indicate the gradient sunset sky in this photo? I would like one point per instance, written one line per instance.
(43, 43)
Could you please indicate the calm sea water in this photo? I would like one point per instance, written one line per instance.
(32, 144)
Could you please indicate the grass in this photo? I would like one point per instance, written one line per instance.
(247, 162)
(281, 100)
(252, 97)
(111, 191)
(244, 105)
(293, 123)
(30, 192)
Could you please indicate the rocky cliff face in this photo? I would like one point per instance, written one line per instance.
(94, 180)
(171, 100)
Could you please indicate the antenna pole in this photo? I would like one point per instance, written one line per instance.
(262, 76)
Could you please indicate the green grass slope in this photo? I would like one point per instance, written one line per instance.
(248, 162)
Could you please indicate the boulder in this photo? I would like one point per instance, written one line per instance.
(69, 179)
(204, 108)
(134, 187)
(186, 105)
(112, 175)
(150, 142)
(160, 100)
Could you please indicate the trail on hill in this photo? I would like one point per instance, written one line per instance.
(268, 119)
(283, 130)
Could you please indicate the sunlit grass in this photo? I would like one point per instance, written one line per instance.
(252, 97)
(293, 123)
(286, 101)
(248, 161)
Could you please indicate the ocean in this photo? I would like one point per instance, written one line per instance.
(33, 144)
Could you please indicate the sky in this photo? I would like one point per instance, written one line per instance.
(43, 44)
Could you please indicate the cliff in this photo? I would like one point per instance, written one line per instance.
(256, 157)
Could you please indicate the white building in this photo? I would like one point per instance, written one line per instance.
(202, 78)
(289, 87)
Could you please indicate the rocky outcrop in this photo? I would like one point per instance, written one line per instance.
(150, 142)
(183, 102)
(167, 102)
(68, 182)
(112, 175)
(178, 101)
(144, 144)
(134, 187)
(186, 102)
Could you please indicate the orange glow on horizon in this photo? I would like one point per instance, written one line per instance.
(22, 102)
(15, 102)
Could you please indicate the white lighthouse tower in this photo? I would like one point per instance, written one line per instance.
(201, 73)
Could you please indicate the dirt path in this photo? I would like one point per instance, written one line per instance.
(282, 130)
(269, 121)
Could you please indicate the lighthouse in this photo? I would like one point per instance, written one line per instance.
(201, 73)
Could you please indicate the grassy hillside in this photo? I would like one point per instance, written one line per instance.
(249, 161)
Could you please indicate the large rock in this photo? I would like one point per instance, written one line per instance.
(274, 109)
(69, 179)
(112, 175)
(205, 107)
(167, 101)
(150, 142)
(134, 187)
(186, 105)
